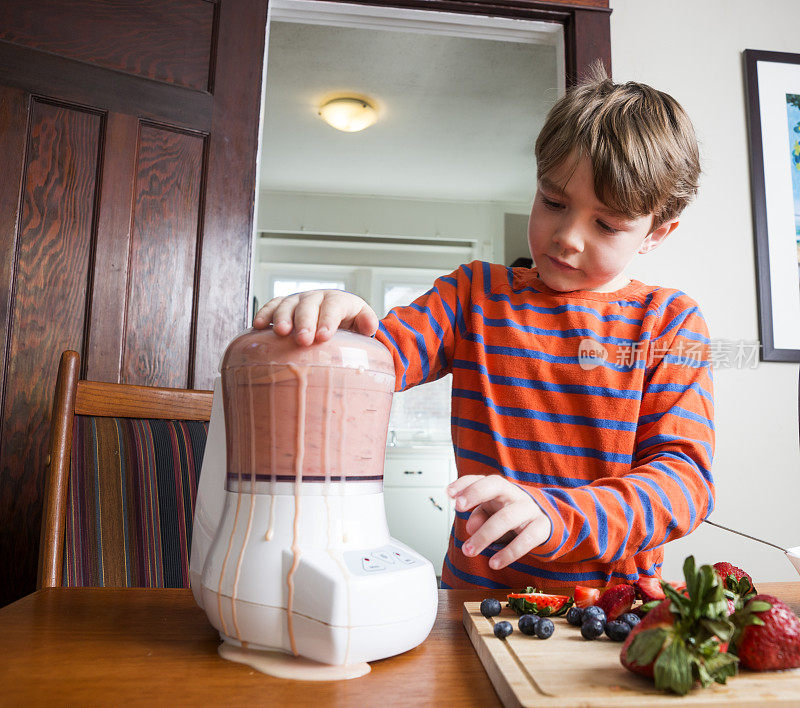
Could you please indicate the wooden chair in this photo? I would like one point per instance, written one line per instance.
(118, 453)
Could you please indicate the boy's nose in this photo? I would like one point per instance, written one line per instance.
(569, 238)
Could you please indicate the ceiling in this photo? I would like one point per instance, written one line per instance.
(458, 116)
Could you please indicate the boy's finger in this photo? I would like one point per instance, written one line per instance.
(366, 321)
(491, 487)
(360, 318)
(458, 486)
(264, 316)
(533, 535)
(496, 526)
(305, 317)
(333, 314)
(476, 519)
(283, 315)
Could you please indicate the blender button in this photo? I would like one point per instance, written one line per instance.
(383, 555)
(371, 564)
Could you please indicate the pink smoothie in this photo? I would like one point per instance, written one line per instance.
(334, 396)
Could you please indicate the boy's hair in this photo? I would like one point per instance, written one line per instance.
(639, 140)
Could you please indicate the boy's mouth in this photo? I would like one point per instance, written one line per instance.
(559, 264)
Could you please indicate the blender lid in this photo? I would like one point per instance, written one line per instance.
(257, 347)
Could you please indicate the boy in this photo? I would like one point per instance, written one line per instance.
(582, 400)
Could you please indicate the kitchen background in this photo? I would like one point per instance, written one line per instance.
(447, 174)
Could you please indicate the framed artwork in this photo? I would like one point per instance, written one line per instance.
(773, 113)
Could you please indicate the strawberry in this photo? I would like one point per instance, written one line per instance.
(649, 589)
(735, 579)
(658, 617)
(767, 636)
(617, 600)
(538, 603)
(679, 642)
(585, 597)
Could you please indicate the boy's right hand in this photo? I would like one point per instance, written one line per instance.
(315, 315)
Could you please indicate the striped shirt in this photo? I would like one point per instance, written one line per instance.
(598, 405)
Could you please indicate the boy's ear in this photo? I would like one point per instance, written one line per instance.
(655, 237)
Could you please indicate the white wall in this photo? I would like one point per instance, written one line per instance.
(297, 212)
(692, 49)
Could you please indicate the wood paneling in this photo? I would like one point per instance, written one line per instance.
(166, 41)
(103, 355)
(589, 33)
(53, 265)
(228, 226)
(112, 102)
(13, 120)
(76, 82)
(163, 253)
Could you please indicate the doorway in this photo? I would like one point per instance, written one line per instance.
(445, 175)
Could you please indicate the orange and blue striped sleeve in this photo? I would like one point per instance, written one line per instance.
(421, 336)
(669, 489)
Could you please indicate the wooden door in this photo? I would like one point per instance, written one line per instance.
(128, 134)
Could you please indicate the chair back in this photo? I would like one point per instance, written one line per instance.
(121, 483)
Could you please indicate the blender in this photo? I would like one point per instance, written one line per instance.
(290, 546)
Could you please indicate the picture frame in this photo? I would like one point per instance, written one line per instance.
(773, 126)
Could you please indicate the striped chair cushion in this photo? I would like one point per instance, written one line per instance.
(131, 497)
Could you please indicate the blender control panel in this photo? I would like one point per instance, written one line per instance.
(385, 559)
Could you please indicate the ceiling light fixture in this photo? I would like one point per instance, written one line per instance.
(348, 114)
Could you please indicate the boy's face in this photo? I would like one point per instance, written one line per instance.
(570, 226)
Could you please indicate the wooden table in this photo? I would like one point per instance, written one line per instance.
(93, 646)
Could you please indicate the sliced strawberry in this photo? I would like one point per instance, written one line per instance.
(585, 597)
(617, 600)
(539, 603)
(649, 589)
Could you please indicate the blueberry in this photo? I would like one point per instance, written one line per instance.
(575, 616)
(503, 629)
(490, 607)
(545, 628)
(618, 630)
(631, 619)
(592, 628)
(594, 612)
(527, 624)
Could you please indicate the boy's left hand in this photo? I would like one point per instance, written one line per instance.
(502, 511)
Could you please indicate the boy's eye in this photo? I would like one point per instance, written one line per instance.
(606, 228)
(550, 204)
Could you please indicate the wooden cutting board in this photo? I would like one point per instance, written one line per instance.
(567, 670)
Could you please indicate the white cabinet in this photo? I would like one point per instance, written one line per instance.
(418, 510)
